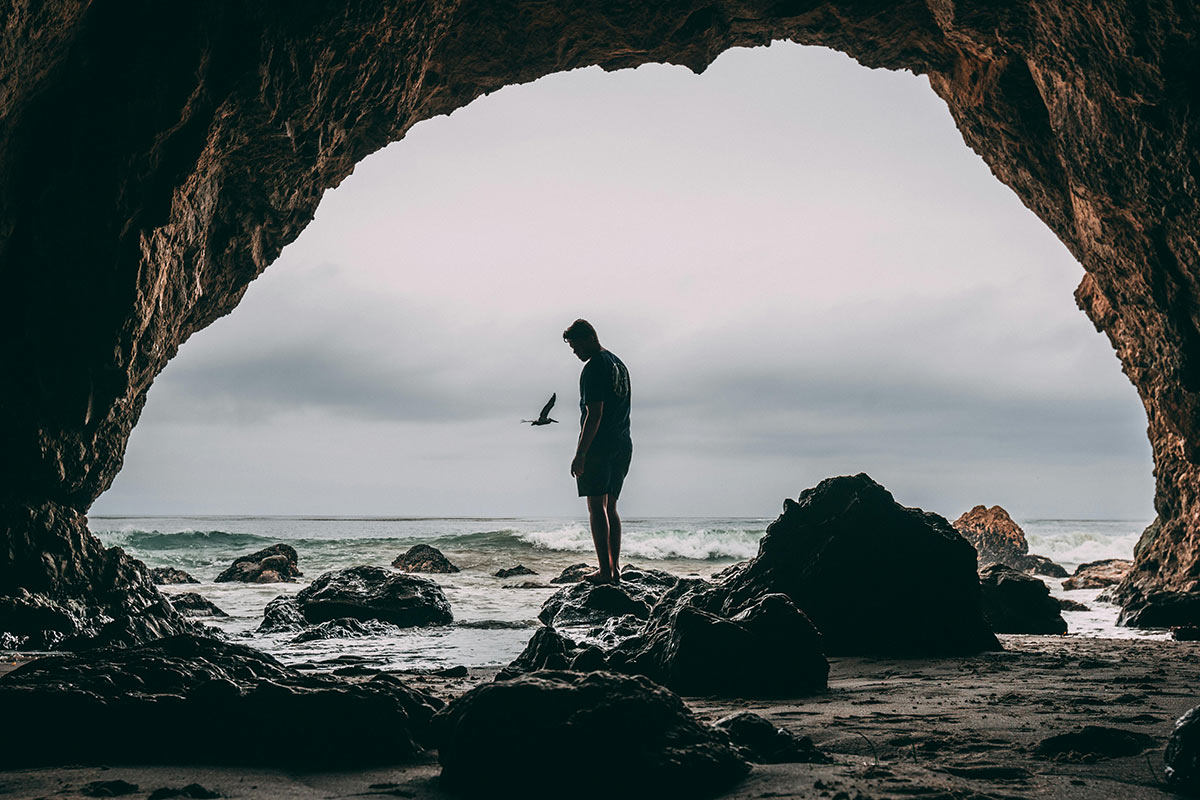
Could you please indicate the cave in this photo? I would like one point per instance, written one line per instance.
(156, 158)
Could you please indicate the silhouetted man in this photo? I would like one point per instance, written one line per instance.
(605, 447)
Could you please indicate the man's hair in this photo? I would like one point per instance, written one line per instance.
(580, 329)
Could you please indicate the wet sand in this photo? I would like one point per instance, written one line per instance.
(924, 729)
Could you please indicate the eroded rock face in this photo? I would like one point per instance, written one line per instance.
(156, 157)
(998, 539)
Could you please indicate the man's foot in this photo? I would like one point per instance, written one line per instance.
(616, 578)
(598, 577)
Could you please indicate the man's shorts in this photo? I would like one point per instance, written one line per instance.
(604, 473)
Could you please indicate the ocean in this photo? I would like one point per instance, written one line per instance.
(492, 618)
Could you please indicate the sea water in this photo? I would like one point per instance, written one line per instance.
(494, 617)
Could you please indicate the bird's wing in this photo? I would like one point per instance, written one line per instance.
(549, 405)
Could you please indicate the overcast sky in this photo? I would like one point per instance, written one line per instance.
(805, 269)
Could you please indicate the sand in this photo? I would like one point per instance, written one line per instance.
(947, 728)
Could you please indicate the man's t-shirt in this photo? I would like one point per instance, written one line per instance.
(605, 378)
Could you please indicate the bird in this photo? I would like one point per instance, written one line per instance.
(544, 417)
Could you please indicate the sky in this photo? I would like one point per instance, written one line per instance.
(806, 270)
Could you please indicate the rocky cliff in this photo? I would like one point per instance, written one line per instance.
(156, 157)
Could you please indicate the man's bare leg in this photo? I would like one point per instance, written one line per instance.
(614, 537)
(598, 518)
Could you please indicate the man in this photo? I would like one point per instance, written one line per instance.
(605, 447)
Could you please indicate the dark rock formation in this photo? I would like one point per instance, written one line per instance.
(374, 593)
(1183, 754)
(573, 573)
(188, 143)
(274, 564)
(1014, 602)
(1160, 609)
(546, 649)
(1098, 574)
(191, 604)
(225, 693)
(1071, 605)
(193, 791)
(1186, 633)
(566, 719)
(344, 628)
(586, 603)
(999, 540)
(114, 788)
(423, 558)
(761, 742)
(874, 577)
(282, 614)
(166, 576)
(519, 569)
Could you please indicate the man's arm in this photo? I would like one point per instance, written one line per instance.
(591, 424)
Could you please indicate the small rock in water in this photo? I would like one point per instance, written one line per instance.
(274, 564)
(423, 558)
(165, 576)
(117, 788)
(1071, 605)
(282, 614)
(345, 628)
(761, 742)
(526, 585)
(191, 604)
(519, 569)
(375, 593)
(453, 672)
(573, 573)
(1099, 574)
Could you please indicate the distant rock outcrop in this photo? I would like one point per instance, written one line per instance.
(1014, 602)
(275, 564)
(166, 576)
(1098, 574)
(424, 558)
(999, 540)
(511, 572)
(365, 593)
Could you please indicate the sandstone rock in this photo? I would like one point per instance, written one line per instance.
(761, 742)
(1183, 754)
(374, 593)
(1098, 574)
(1014, 602)
(519, 569)
(566, 718)
(423, 558)
(191, 604)
(874, 577)
(995, 536)
(274, 564)
(573, 573)
(166, 576)
(344, 628)
(1160, 609)
(282, 614)
(224, 692)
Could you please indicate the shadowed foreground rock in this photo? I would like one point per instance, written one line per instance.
(998, 539)
(274, 564)
(762, 742)
(365, 593)
(423, 558)
(1183, 754)
(564, 720)
(1014, 602)
(874, 577)
(1160, 609)
(221, 704)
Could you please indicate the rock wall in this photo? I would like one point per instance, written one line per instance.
(156, 157)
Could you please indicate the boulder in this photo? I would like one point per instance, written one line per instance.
(874, 577)
(423, 558)
(573, 573)
(166, 576)
(761, 742)
(191, 604)
(223, 693)
(586, 603)
(1014, 602)
(564, 719)
(344, 628)
(998, 539)
(282, 614)
(274, 564)
(512, 572)
(547, 649)
(1099, 574)
(1183, 754)
(374, 593)
(1161, 610)
(1038, 565)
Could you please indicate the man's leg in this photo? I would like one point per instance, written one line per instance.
(614, 537)
(598, 517)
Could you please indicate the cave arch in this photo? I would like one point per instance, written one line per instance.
(156, 159)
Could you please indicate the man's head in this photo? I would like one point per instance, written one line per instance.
(581, 336)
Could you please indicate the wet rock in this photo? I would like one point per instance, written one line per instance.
(1161, 610)
(423, 558)
(1183, 754)
(511, 572)
(586, 603)
(459, 671)
(1014, 602)
(1038, 565)
(1071, 605)
(220, 689)
(344, 628)
(589, 659)
(274, 564)
(998, 539)
(194, 791)
(573, 573)
(566, 718)
(374, 593)
(166, 576)
(282, 614)
(761, 742)
(874, 577)
(1186, 633)
(117, 788)
(1098, 574)
(191, 604)
(615, 630)
(526, 585)
(1093, 743)
(546, 649)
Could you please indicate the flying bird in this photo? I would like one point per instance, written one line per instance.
(544, 417)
